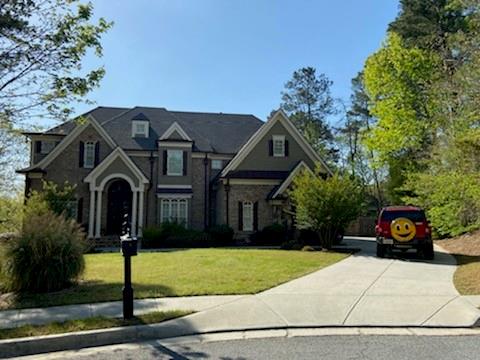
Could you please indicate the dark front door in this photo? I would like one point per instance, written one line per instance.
(119, 208)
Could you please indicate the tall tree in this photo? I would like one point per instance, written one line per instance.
(42, 44)
(308, 102)
(426, 24)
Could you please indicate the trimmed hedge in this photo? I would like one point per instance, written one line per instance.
(271, 235)
(173, 235)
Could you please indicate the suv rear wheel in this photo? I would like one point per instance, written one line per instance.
(428, 253)
(380, 250)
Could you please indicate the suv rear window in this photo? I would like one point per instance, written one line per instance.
(415, 216)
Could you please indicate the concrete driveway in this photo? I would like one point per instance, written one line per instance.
(362, 290)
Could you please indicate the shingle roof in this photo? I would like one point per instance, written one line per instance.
(210, 132)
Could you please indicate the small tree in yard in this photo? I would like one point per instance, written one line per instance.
(326, 206)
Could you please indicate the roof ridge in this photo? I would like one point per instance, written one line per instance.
(210, 113)
(118, 115)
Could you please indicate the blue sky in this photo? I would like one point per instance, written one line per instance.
(231, 55)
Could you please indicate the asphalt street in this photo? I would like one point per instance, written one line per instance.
(322, 347)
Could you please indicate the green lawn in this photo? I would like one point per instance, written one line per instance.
(185, 272)
(467, 275)
(92, 323)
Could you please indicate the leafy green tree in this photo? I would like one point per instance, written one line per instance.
(397, 80)
(326, 206)
(308, 102)
(42, 44)
(57, 199)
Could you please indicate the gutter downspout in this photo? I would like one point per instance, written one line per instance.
(205, 195)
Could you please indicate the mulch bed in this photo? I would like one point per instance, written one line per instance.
(467, 244)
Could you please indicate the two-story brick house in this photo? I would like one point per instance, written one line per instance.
(143, 166)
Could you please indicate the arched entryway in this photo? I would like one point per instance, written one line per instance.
(119, 207)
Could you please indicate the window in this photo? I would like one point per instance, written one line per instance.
(278, 145)
(174, 210)
(140, 128)
(247, 216)
(174, 162)
(89, 155)
(46, 147)
(217, 164)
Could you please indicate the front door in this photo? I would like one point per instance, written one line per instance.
(119, 208)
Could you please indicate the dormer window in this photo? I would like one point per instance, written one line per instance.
(140, 128)
(278, 145)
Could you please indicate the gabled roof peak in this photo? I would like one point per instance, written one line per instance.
(140, 116)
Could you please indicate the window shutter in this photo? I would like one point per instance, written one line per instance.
(38, 146)
(80, 210)
(270, 147)
(255, 216)
(185, 163)
(97, 153)
(286, 148)
(164, 162)
(240, 216)
(81, 154)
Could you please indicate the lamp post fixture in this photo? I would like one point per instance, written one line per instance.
(129, 249)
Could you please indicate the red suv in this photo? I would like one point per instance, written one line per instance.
(403, 228)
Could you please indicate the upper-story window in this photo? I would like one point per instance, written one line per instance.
(174, 162)
(217, 164)
(140, 128)
(89, 155)
(46, 146)
(278, 145)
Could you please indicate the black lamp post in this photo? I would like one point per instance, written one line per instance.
(129, 249)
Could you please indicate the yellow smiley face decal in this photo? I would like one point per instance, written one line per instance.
(403, 229)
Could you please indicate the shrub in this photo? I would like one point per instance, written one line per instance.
(221, 235)
(291, 245)
(274, 235)
(11, 213)
(173, 235)
(47, 255)
(326, 206)
(308, 248)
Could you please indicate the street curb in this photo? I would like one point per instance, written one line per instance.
(175, 329)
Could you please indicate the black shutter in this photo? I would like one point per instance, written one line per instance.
(80, 210)
(255, 216)
(97, 153)
(81, 153)
(286, 148)
(185, 163)
(164, 162)
(270, 147)
(240, 216)
(38, 146)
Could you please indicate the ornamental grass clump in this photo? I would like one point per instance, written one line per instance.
(48, 253)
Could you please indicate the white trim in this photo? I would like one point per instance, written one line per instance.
(115, 154)
(142, 153)
(140, 214)
(32, 175)
(278, 138)
(91, 214)
(260, 133)
(104, 182)
(174, 196)
(286, 183)
(252, 181)
(133, 225)
(57, 150)
(175, 127)
(163, 186)
(174, 144)
(99, 215)
(145, 134)
(201, 155)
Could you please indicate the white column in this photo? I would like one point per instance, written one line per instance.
(91, 214)
(99, 214)
(133, 231)
(140, 214)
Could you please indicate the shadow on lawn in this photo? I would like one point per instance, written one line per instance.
(87, 292)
